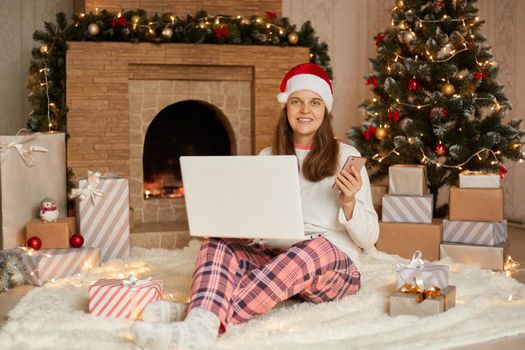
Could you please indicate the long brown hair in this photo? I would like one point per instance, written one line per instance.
(322, 159)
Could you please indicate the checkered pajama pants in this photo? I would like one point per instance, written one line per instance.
(236, 281)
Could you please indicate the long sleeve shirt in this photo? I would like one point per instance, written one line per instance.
(322, 212)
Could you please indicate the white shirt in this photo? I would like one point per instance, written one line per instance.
(323, 214)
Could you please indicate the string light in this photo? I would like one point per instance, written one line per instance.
(455, 53)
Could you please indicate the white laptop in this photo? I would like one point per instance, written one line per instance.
(254, 197)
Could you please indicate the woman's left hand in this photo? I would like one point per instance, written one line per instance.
(349, 183)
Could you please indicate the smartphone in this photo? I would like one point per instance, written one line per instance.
(353, 161)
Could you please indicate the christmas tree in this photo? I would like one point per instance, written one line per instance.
(437, 101)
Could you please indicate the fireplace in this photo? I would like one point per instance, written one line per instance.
(186, 128)
(119, 92)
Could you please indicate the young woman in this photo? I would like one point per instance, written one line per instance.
(234, 280)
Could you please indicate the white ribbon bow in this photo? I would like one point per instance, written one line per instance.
(90, 190)
(25, 154)
(134, 281)
(415, 262)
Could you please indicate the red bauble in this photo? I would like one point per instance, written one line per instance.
(76, 241)
(440, 149)
(34, 243)
(413, 84)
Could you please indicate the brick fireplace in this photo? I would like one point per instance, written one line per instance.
(116, 90)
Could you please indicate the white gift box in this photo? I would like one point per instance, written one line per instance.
(475, 232)
(32, 167)
(415, 209)
(102, 209)
(44, 265)
(407, 180)
(432, 275)
(478, 180)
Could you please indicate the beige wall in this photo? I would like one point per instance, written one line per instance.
(19, 19)
(348, 26)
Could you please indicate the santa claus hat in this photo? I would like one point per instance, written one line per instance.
(307, 76)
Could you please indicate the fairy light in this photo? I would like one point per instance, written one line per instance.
(454, 53)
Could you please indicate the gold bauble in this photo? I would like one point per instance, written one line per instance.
(293, 38)
(408, 37)
(167, 33)
(448, 89)
(400, 4)
(380, 133)
(135, 19)
(93, 29)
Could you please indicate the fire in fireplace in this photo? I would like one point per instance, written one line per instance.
(186, 128)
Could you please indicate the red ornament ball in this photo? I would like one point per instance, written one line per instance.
(440, 149)
(34, 243)
(413, 84)
(76, 241)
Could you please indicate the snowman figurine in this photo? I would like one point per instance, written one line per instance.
(48, 210)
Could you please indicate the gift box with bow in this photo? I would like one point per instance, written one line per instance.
(429, 275)
(102, 209)
(32, 167)
(118, 298)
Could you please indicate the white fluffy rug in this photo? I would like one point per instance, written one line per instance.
(489, 306)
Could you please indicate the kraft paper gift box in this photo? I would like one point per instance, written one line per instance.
(475, 232)
(102, 209)
(44, 265)
(378, 191)
(487, 257)
(408, 304)
(417, 271)
(416, 209)
(404, 239)
(117, 298)
(472, 179)
(407, 180)
(32, 167)
(53, 235)
(476, 204)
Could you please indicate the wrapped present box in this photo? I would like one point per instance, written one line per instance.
(407, 180)
(45, 265)
(102, 209)
(403, 239)
(475, 232)
(476, 204)
(117, 298)
(416, 209)
(417, 272)
(487, 257)
(32, 167)
(471, 179)
(408, 304)
(54, 235)
(378, 191)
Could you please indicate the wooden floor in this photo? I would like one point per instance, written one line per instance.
(9, 299)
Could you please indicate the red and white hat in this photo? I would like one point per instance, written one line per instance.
(307, 76)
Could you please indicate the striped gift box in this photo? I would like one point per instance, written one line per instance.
(113, 298)
(44, 265)
(475, 232)
(431, 275)
(104, 220)
(417, 209)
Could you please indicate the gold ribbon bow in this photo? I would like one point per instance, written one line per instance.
(419, 289)
(90, 190)
(25, 154)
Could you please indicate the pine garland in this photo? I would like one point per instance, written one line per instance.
(47, 77)
(12, 269)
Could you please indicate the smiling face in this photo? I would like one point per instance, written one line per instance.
(306, 112)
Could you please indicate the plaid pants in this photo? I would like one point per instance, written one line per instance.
(236, 281)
